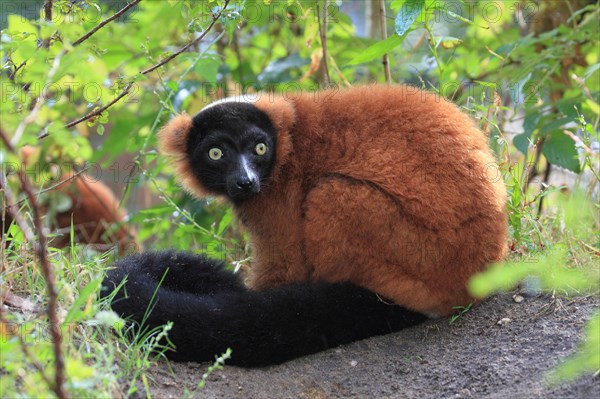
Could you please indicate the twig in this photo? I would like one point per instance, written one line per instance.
(48, 10)
(14, 72)
(545, 181)
(593, 250)
(492, 52)
(103, 23)
(386, 61)
(125, 91)
(48, 18)
(323, 34)
(433, 47)
(39, 102)
(98, 111)
(41, 248)
(12, 208)
(60, 183)
(3, 225)
(215, 18)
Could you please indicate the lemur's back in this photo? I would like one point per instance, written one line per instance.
(393, 188)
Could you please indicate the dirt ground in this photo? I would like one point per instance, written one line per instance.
(474, 357)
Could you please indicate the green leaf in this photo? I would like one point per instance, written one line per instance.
(16, 233)
(310, 32)
(103, 117)
(549, 270)
(560, 150)
(486, 84)
(531, 121)
(377, 50)
(461, 18)
(277, 70)
(567, 107)
(587, 359)
(448, 42)
(173, 86)
(498, 278)
(590, 70)
(75, 313)
(26, 49)
(157, 210)
(207, 68)
(408, 14)
(18, 24)
(593, 106)
(396, 4)
(522, 141)
(225, 222)
(110, 319)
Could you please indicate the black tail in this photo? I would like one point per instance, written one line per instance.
(211, 310)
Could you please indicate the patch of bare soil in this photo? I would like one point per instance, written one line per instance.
(474, 357)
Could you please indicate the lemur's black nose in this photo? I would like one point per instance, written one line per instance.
(245, 183)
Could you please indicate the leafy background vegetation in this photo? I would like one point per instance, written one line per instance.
(528, 73)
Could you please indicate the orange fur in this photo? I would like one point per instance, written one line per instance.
(96, 215)
(172, 140)
(388, 187)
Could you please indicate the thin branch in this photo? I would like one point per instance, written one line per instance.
(545, 181)
(57, 185)
(323, 34)
(48, 10)
(106, 21)
(48, 18)
(17, 68)
(127, 88)
(215, 18)
(386, 60)
(433, 47)
(41, 248)
(98, 111)
(11, 206)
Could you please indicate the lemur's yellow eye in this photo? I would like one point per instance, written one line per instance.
(215, 154)
(261, 149)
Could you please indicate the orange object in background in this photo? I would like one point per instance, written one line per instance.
(88, 205)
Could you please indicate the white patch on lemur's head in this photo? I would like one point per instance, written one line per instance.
(242, 98)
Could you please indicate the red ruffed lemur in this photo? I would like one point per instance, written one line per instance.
(369, 209)
(94, 213)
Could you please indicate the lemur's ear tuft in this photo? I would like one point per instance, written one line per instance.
(172, 141)
(282, 114)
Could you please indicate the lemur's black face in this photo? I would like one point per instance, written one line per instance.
(231, 149)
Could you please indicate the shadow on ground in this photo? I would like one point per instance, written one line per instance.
(474, 357)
